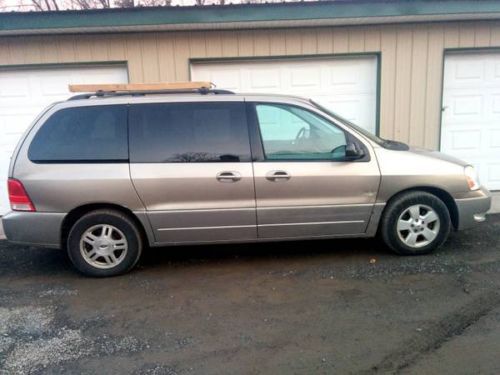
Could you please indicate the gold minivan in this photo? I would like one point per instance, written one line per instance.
(103, 175)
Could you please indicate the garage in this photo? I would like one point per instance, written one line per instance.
(25, 92)
(471, 112)
(346, 85)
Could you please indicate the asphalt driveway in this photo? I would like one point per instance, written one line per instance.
(345, 306)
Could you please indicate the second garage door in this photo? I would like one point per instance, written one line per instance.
(346, 85)
(471, 112)
(24, 93)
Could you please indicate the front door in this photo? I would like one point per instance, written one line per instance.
(191, 166)
(304, 185)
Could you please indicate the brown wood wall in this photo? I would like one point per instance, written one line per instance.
(411, 59)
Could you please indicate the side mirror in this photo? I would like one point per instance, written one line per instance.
(353, 151)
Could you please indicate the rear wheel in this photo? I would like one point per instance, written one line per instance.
(415, 223)
(104, 243)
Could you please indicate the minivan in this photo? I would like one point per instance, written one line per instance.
(105, 174)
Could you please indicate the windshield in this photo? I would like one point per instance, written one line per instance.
(359, 129)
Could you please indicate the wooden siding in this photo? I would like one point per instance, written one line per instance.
(411, 59)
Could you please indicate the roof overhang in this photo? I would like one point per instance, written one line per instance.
(247, 16)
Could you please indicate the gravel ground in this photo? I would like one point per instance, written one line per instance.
(344, 306)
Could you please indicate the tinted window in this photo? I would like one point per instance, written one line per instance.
(97, 133)
(188, 132)
(293, 133)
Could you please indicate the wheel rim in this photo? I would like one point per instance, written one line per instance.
(103, 246)
(418, 226)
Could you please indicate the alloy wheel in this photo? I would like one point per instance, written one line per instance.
(418, 226)
(103, 246)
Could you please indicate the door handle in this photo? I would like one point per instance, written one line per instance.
(228, 176)
(277, 176)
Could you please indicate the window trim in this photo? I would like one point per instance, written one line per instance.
(80, 161)
(259, 154)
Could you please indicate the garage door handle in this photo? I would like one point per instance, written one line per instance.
(278, 176)
(228, 176)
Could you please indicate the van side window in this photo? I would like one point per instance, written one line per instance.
(188, 133)
(293, 133)
(82, 134)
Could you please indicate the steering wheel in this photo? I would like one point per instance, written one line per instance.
(301, 133)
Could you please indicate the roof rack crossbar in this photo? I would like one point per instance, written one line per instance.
(107, 94)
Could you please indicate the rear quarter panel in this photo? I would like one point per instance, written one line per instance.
(61, 187)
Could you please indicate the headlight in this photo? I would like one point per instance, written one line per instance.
(471, 177)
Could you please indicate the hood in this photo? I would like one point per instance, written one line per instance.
(437, 155)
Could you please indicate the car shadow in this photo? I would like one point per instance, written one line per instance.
(16, 260)
(261, 251)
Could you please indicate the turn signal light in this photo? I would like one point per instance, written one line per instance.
(19, 199)
(471, 177)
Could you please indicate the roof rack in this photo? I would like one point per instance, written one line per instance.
(139, 89)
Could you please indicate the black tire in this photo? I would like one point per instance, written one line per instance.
(122, 226)
(397, 207)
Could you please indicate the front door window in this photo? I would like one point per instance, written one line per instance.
(293, 133)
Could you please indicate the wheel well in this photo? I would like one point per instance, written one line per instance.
(72, 217)
(441, 194)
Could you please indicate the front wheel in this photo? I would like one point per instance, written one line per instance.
(104, 243)
(415, 223)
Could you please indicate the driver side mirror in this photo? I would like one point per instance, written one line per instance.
(353, 151)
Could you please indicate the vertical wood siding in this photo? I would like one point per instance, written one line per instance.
(411, 59)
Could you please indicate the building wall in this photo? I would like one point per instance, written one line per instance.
(411, 59)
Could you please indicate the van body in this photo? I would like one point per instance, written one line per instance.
(104, 176)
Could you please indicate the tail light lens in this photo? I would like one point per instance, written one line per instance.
(19, 199)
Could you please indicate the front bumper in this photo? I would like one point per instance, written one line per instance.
(473, 210)
(33, 228)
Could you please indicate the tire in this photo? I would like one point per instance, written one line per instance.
(405, 234)
(104, 243)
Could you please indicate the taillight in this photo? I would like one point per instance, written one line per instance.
(19, 199)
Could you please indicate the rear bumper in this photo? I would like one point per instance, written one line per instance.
(33, 228)
(473, 210)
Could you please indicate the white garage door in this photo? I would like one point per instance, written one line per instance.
(471, 113)
(24, 93)
(347, 86)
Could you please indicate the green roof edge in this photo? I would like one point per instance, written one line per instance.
(241, 13)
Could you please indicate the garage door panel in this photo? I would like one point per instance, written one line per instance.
(346, 85)
(25, 93)
(466, 140)
(14, 88)
(471, 120)
(495, 105)
(352, 76)
(469, 72)
(469, 69)
(261, 78)
(494, 175)
(304, 76)
(348, 106)
(467, 105)
(53, 86)
(494, 139)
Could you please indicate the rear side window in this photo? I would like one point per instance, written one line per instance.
(82, 134)
(188, 133)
